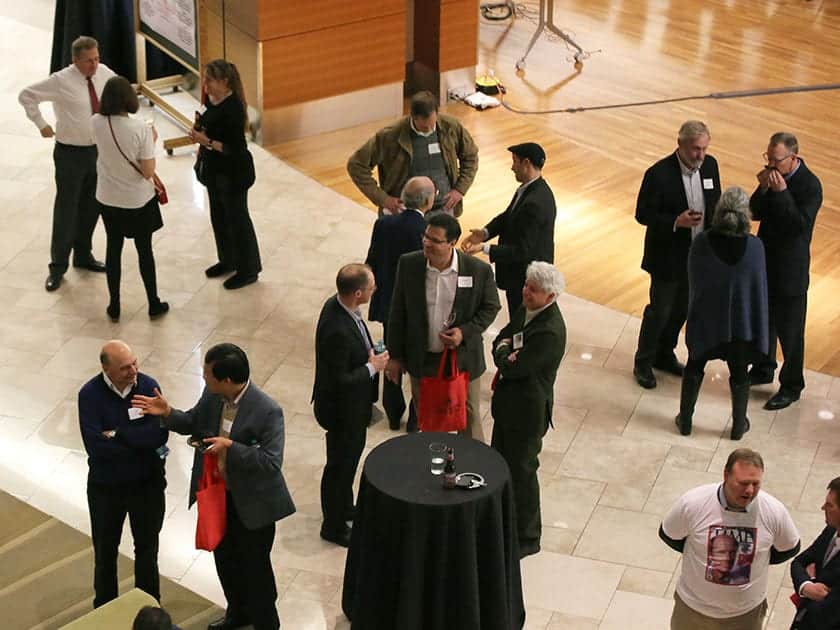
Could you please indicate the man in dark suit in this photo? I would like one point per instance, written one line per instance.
(786, 202)
(346, 385)
(677, 195)
(244, 429)
(442, 298)
(816, 572)
(395, 235)
(525, 229)
(527, 353)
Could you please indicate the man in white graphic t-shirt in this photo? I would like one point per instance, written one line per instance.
(728, 534)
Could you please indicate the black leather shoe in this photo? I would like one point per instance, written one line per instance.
(113, 312)
(780, 400)
(226, 623)
(757, 377)
(214, 271)
(670, 365)
(53, 281)
(738, 430)
(91, 265)
(237, 281)
(684, 430)
(340, 537)
(158, 309)
(644, 376)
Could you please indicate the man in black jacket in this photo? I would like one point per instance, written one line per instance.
(346, 385)
(786, 202)
(525, 229)
(677, 194)
(394, 235)
(816, 571)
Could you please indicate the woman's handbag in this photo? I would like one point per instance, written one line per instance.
(443, 399)
(212, 506)
(160, 189)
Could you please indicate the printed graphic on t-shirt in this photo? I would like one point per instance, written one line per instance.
(730, 552)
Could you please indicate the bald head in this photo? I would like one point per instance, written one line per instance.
(418, 193)
(119, 363)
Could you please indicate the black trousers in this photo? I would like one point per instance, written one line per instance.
(145, 258)
(236, 240)
(243, 563)
(344, 449)
(75, 211)
(521, 450)
(144, 503)
(662, 320)
(393, 399)
(514, 299)
(787, 328)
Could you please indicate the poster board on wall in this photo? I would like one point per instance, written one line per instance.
(171, 25)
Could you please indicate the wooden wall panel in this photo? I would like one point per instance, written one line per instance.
(280, 18)
(333, 61)
(458, 34)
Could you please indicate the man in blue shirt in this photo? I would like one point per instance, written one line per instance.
(126, 451)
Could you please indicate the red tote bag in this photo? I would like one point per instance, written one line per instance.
(212, 506)
(443, 399)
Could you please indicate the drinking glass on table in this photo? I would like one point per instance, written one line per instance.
(437, 452)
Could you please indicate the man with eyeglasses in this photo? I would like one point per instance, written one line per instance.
(786, 202)
(677, 194)
(442, 298)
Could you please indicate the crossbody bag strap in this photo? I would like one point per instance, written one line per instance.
(114, 136)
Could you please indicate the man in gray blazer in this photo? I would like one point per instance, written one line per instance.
(243, 428)
(442, 298)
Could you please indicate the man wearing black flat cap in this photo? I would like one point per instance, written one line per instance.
(525, 229)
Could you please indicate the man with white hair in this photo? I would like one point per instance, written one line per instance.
(527, 353)
(677, 196)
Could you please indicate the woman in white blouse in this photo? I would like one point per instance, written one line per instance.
(124, 189)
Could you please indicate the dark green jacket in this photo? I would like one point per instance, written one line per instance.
(475, 309)
(524, 394)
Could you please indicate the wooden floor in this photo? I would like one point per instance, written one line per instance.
(648, 51)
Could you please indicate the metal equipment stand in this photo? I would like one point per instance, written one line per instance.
(547, 23)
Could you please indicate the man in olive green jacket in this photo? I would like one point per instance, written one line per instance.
(528, 352)
(424, 143)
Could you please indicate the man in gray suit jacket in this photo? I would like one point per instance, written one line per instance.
(442, 298)
(243, 428)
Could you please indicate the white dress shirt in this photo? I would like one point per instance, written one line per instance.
(693, 193)
(440, 297)
(121, 393)
(67, 90)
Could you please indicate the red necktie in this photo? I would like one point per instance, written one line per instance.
(94, 101)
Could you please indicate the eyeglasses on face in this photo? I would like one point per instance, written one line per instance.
(432, 239)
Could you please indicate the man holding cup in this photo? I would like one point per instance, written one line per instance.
(347, 367)
(676, 196)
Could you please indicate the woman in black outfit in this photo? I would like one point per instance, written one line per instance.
(727, 307)
(225, 166)
(124, 189)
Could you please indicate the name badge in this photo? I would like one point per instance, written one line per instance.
(518, 340)
(465, 282)
(227, 425)
(202, 109)
(434, 147)
(708, 184)
(134, 413)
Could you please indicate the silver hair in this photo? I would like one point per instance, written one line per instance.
(417, 194)
(787, 139)
(82, 43)
(546, 276)
(732, 213)
(691, 129)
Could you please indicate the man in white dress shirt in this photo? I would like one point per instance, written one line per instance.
(74, 93)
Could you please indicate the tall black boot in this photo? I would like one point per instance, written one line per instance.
(688, 398)
(740, 397)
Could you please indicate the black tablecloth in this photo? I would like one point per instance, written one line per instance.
(423, 557)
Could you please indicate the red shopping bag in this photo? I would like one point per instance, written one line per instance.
(212, 506)
(443, 399)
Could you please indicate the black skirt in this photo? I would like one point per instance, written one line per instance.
(132, 222)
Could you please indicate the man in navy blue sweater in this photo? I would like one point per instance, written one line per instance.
(126, 451)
